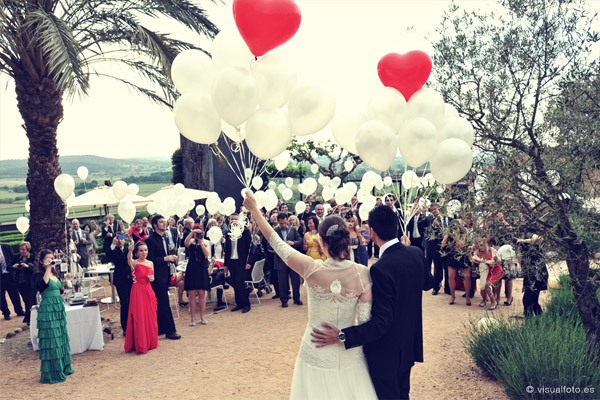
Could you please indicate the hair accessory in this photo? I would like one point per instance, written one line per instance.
(332, 229)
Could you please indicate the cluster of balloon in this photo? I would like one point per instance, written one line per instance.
(172, 201)
(404, 117)
(241, 95)
(215, 205)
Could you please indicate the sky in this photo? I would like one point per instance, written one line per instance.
(339, 42)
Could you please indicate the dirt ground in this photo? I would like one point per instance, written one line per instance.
(245, 356)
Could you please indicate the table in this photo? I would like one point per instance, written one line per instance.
(105, 269)
(84, 327)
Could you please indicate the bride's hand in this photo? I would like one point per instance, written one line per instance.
(250, 202)
(325, 337)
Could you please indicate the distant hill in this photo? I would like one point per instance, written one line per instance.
(17, 169)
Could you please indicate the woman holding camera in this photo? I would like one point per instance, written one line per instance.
(54, 345)
(196, 273)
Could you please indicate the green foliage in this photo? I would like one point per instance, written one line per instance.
(329, 156)
(292, 169)
(177, 167)
(155, 177)
(545, 352)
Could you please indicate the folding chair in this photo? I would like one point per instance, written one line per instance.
(258, 278)
(174, 300)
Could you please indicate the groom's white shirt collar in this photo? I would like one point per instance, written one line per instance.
(387, 245)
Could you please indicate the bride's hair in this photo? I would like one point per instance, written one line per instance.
(334, 232)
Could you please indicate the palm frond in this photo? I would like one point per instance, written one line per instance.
(183, 11)
(60, 51)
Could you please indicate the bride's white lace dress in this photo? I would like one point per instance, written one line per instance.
(337, 291)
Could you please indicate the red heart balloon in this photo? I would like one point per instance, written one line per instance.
(405, 72)
(266, 24)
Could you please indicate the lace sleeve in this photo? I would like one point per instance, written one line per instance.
(363, 312)
(282, 249)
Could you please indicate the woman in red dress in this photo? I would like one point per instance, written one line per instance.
(142, 323)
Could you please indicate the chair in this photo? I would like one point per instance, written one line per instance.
(216, 301)
(89, 286)
(174, 300)
(258, 279)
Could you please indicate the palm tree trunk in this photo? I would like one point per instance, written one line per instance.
(197, 165)
(40, 105)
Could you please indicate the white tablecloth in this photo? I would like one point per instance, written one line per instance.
(84, 327)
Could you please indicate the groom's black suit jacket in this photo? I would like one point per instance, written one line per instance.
(393, 337)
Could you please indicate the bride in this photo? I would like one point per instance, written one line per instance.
(339, 292)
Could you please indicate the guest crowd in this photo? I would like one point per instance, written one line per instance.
(466, 252)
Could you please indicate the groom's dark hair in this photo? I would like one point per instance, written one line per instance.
(383, 220)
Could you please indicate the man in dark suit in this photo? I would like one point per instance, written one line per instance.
(110, 229)
(117, 254)
(415, 229)
(394, 205)
(81, 239)
(158, 253)
(8, 284)
(436, 226)
(393, 337)
(284, 273)
(236, 260)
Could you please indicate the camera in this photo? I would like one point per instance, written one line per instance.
(121, 236)
(349, 214)
(55, 262)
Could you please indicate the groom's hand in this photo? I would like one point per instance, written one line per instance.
(325, 337)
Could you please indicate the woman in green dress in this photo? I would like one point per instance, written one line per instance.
(55, 350)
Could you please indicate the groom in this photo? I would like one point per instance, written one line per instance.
(393, 338)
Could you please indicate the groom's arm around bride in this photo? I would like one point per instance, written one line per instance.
(393, 337)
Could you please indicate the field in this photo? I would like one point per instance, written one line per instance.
(10, 212)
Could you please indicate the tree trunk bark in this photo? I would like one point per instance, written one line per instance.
(197, 165)
(584, 289)
(40, 105)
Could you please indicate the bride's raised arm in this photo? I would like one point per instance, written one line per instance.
(293, 258)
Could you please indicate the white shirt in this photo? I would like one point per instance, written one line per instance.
(234, 252)
(387, 245)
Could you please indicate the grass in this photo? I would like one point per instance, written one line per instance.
(548, 353)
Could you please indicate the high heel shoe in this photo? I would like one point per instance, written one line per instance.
(482, 304)
(493, 307)
(509, 302)
(193, 323)
(468, 302)
(204, 322)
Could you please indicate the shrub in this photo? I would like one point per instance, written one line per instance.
(548, 352)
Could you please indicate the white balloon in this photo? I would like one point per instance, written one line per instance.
(181, 206)
(376, 144)
(309, 186)
(229, 49)
(193, 71)
(387, 181)
(234, 95)
(64, 184)
(281, 187)
(451, 161)
(22, 225)
(282, 160)
(345, 126)
(342, 196)
(272, 185)
(450, 111)
(257, 182)
(275, 81)
(196, 118)
(388, 105)
(260, 197)
(335, 182)
(410, 180)
(213, 203)
(133, 189)
(178, 190)
(237, 134)
(119, 189)
(300, 207)
(364, 210)
(429, 179)
(289, 182)
(27, 205)
(351, 188)
(271, 200)
(200, 209)
(457, 127)
(417, 140)
(82, 173)
(287, 194)
(214, 234)
(554, 177)
(310, 108)
(127, 211)
(328, 193)
(426, 103)
(268, 132)
(151, 208)
(229, 201)
(314, 168)
(348, 165)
